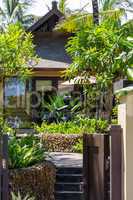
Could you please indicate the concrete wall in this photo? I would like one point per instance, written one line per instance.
(125, 118)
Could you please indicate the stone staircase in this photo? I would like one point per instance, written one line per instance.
(69, 183)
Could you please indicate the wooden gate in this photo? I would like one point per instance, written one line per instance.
(4, 182)
(102, 163)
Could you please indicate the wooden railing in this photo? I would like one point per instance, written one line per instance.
(102, 163)
(4, 182)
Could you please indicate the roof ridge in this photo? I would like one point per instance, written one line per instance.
(43, 19)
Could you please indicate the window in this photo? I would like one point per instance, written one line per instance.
(43, 85)
(14, 93)
(15, 109)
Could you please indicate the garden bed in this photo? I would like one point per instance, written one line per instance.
(37, 181)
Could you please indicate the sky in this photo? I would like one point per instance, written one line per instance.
(39, 7)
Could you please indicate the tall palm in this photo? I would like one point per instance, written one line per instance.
(95, 11)
(108, 5)
(15, 11)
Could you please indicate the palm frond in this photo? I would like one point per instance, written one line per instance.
(14, 11)
(62, 5)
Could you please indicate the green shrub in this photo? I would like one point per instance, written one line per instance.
(4, 127)
(77, 126)
(78, 147)
(51, 109)
(25, 152)
(18, 197)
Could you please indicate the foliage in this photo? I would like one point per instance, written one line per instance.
(25, 152)
(72, 23)
(62, 6)
(4, 127)
(18, 197)
(15, 11)
(78, 147)
(112, 4)
(104, 51)
(101, 51)
(77, 126)
(17, 53)
(56, 107)
(53, 103)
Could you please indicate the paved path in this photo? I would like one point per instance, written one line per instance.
(61, 159)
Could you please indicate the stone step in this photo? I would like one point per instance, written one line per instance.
(69, 178)
(61, 186)
(69, 170)
(68, 195)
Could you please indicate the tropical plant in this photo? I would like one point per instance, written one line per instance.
(25, 152)
(95, 11)
(15, 11)
(78, 126)
(103, 51)
(106, 5)
(55, 109)
(18, 197)
(62, 6)
(17, 53)
(5, 128)
(78, 147)
(54, 103)
(101, 10)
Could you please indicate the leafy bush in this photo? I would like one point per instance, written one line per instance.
(18, 197)
(4, 127)
(78, 147)
(25, 152)
(77, 126)
(59, 109)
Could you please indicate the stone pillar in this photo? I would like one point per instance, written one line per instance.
(125, 119)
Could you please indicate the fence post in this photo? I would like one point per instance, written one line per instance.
(4, 182)
(94, 156)
(0, 167)
(5, 192)
(116, 162)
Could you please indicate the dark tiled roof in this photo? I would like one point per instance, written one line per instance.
(45, 18)
(51, 51)
(50, 46)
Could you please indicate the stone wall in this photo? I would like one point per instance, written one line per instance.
(60, 142)
(38, 181)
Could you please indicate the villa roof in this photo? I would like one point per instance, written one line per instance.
(50, 44)
(53, 12)
(52, 53)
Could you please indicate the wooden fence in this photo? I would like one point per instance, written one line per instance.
(4, 182)
(102, 162)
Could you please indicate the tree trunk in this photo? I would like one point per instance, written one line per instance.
(95, 11)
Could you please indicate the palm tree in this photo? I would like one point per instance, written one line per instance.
(108, 5)
(15, 11)
(95, 11)
(112, 4)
